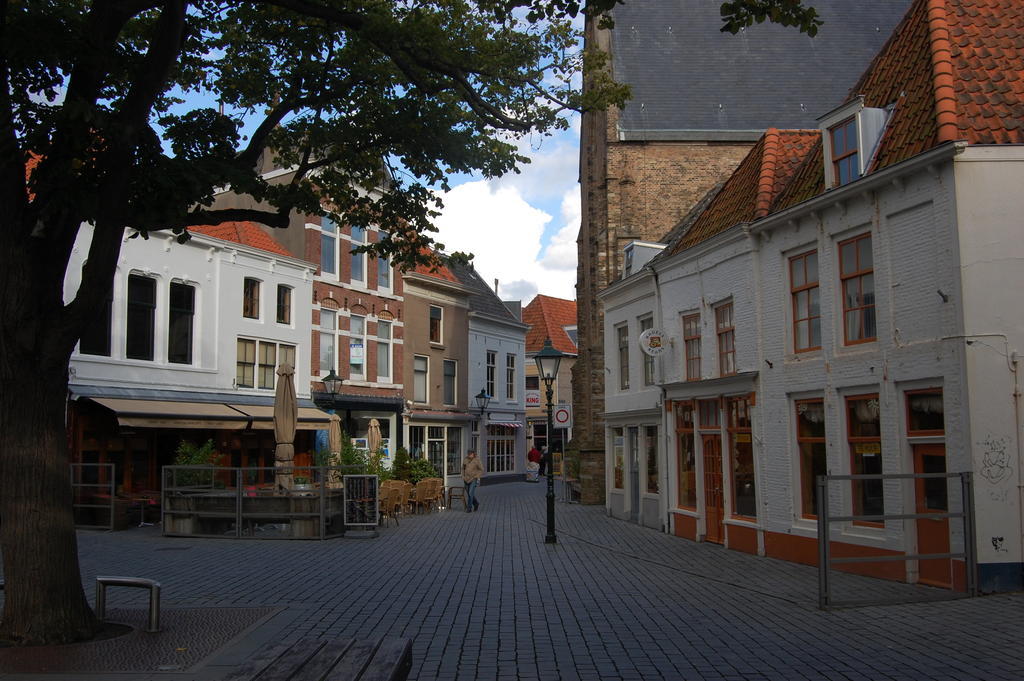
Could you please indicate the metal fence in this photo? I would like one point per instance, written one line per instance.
(205, 501)
(825, 521)
(93, 498)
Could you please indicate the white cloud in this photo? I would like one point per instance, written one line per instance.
(504, 232)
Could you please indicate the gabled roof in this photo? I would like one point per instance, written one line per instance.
(686, 75)
(548, 317)
(749, 192)
(482, 298)
(437, 271)
(952, 70)
(245, 233)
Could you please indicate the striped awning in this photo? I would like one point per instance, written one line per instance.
(506, 424)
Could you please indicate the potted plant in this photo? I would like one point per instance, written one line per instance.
(302, 482)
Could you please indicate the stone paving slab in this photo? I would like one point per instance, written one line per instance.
(482, 597)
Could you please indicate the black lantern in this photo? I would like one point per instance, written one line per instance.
(548, 360)
(332, 383)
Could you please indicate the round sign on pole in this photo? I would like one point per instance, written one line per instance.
(562, 416)
(651, 342)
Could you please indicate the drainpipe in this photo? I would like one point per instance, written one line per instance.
(663, 468)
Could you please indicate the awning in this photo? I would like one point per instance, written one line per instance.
(263, 417)
(212, 415)
(507, 425)
(164, 414)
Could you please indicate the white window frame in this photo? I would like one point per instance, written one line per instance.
(330, 233)
(510, 377)
(384, 264)
(644, 323)
(384, 345)
(622, 353)
(358, 257)
(491, 371)
(259, 298)
(331, 332)
(426, 379)
(352, 338)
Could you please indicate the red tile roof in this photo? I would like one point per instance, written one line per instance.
(245, 233)
(952, 70)
(751, 190)
(548, 317)
(437, 270)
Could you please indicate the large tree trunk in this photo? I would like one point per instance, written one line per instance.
(44, 600)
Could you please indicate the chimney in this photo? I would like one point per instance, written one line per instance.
(495, 285)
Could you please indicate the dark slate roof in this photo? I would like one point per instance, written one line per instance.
(686, 75)
(483, 299)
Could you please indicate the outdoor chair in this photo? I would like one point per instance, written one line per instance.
(423, 494)
(437, 493)
(406, 496)
(389, 501)
(456, 492)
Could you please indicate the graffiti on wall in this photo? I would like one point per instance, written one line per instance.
(995, 462)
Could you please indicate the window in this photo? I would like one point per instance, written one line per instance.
(453, 451)
(328, 342)
(651, 446)
(419, 378)
(245, 368)
(383, 273)
(647, 323)
(251, 298)
(284, 304)
(622, 337)
(686, 455)
(357, 347)
(435, 325)
(926, 417)
(726, 340)
(383, 352)
(181, 313)
(744, 499)
(845, 163)
(925, 413)
(864, 432)
(858, 286)
(450, 370)
(533, 382)
(492, 360)
(141, 316)
(510, 377)
(618, 457)
(571, 332)
(803, 286)
(96, 334)
(328, 246)
(501, 445)
(358, 259)
(436, 447)
(810, 441)
(691, 341)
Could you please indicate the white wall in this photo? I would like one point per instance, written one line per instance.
(216, 269)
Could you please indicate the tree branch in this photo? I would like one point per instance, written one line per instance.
(277, 220)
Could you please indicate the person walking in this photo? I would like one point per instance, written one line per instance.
(472, 471)
(543, 460)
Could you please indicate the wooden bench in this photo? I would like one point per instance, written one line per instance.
(344, 659)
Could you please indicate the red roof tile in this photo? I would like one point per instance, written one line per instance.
(751, 190)
(548, 317)
(952, 70)
(245, 233)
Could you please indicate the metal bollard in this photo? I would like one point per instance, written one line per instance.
(136, 582)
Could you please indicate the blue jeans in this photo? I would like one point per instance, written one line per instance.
(471, 494)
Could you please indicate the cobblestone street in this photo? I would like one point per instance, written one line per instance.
(483, 597)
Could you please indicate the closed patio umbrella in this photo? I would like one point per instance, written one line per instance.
(373, 436)
(285, 416)
(334, 444)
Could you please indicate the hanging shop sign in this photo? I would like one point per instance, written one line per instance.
(651, 342)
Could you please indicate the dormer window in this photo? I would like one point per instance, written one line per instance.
(845, 159)
(849, 137)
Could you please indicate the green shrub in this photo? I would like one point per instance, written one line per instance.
(401, 467)
(189, 453)
(422, 468)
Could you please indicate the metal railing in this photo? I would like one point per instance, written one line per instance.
(207, 501)
(825, 521)
(93, 502)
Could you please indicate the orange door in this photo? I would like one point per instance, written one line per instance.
(932, 497)
(713, 512)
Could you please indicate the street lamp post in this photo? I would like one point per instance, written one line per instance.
(482, 400)
(548, 360)
(332, 384)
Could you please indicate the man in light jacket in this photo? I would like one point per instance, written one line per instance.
(472, 471)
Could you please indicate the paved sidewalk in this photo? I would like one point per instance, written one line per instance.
(482, 597)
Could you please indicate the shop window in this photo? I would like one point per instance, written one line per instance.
(141, 316)
(810, 442)
(453, 451)
(436, 448)
(685, 452)
(501, 444)
(651, 447)
(618, 457)
(864, 434)
(744, 497)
